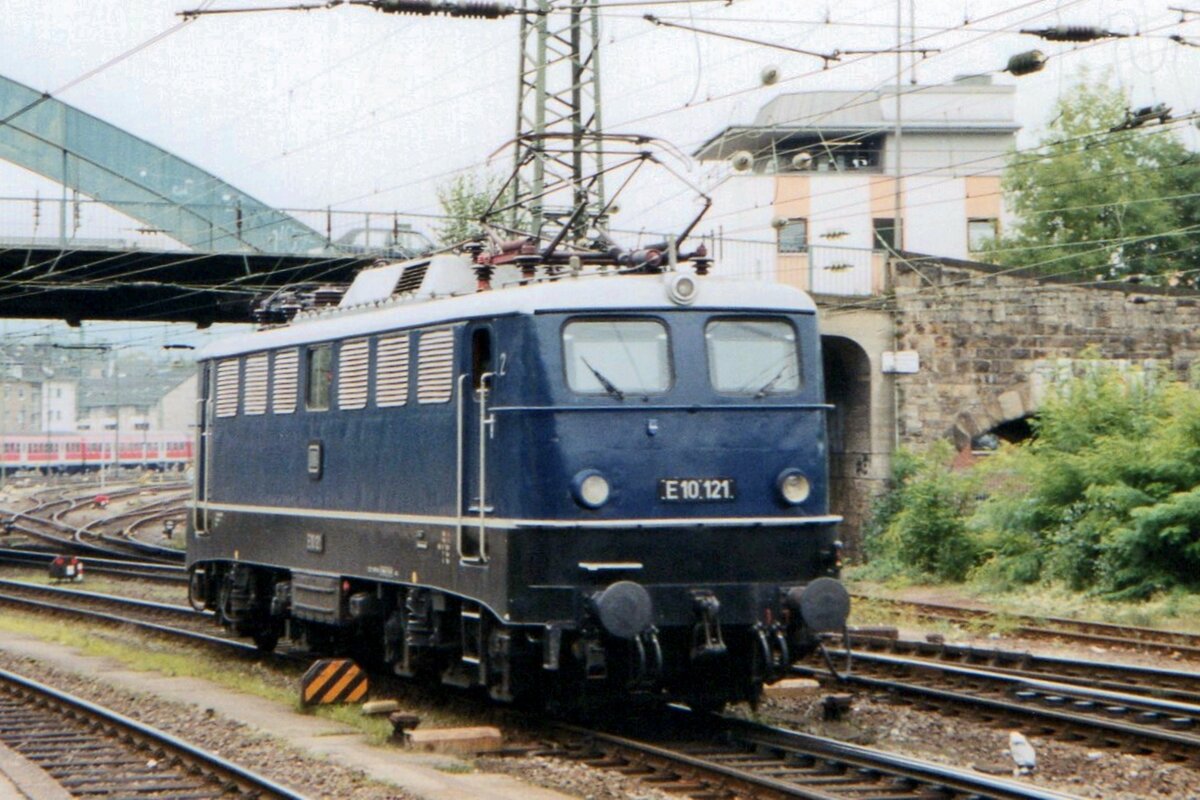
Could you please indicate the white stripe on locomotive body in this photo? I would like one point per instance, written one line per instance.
(504, 522)
(613, 293)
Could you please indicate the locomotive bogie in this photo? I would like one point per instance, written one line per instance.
(571, 489)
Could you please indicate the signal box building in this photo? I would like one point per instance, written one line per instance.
(811, 194)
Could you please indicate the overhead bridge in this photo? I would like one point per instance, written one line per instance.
(189, 246)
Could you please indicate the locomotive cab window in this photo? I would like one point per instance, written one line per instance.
(617, 356)
(754, 357)
(320, 377)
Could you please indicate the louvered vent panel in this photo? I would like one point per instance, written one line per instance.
(353, 364)
(435, 367)
(283, 400)
(256, 384)
(391, 371)
(411, 278)
(227, 388)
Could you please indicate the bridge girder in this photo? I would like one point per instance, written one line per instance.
(141, 180)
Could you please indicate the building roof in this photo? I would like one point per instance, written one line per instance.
(967, 106)
(129, 390)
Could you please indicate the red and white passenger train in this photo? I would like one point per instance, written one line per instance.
(80, 452)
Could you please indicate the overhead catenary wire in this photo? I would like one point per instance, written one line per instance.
(621, 124)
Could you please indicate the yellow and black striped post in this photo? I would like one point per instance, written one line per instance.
(333, 680)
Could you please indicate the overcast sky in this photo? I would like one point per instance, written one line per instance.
(360, 110)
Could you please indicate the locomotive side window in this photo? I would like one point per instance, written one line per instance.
(353, 365)
(435, 366)
(319, 362)
(616, 356)
(752, 356)
(391, 371)
(227, 388)
(256, 384)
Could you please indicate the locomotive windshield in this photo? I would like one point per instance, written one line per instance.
(617, 356)
(752, 356)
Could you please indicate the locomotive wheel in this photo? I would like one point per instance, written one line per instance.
(266, 639)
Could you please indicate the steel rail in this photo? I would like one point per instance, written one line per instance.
(767, 761)
(1150, 639)
(1150, 724)
(153, 571)
(155, 627)
(1131, 678)
(132, 603)
(731, 757)
(45, 724)
(69, 537)
(138, 516)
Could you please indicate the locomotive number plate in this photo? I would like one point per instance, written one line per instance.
(697, 490)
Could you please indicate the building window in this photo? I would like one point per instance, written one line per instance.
(981, 233)
(320, 377)
(793, 236)
(884, 229)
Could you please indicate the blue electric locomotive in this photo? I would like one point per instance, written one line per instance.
(581, 486)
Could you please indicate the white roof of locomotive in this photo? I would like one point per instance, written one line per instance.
(593, 292)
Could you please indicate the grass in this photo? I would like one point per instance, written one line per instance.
(155, 654)
(272, 681)
(1178, 610)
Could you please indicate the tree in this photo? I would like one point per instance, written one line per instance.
(464, 200)
(1096, 202)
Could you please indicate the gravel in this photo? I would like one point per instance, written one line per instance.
(1077, 769)
(235, 742)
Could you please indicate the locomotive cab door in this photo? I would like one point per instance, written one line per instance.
(475, 386)
(203, 432)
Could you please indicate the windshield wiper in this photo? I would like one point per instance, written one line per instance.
(605, 382)
(769, 385)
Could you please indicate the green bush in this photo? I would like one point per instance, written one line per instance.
(919, 526)
(1104, 498)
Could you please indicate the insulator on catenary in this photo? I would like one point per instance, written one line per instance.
(1071, 33)
(478, 9)
(1026, 63)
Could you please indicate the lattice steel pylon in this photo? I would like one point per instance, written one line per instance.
(558, 161)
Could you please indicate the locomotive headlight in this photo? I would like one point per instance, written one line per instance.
(591, 489)
(794, 488)
(682, 289)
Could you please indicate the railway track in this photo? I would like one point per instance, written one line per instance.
(44, 523)
(92, 752)
(150, 571)
(180, 622)
(722, 758)
(126, 522)
(731, 759)
(1140, 724)
(1170, 684)
(1166, 642)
